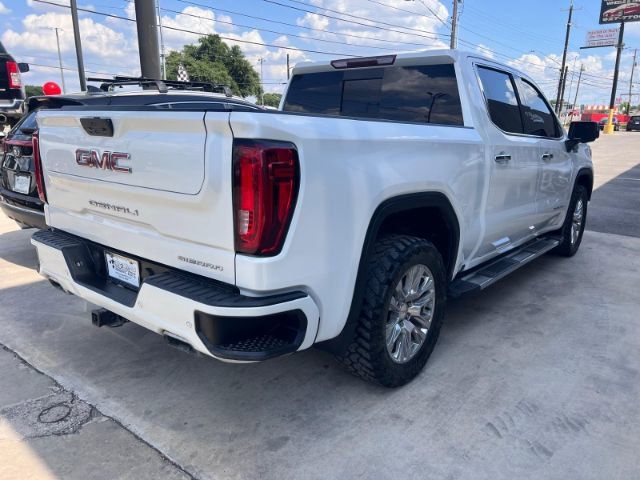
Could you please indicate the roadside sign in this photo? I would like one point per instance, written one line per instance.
(602, 38)
(617, 11)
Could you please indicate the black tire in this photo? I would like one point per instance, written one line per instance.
(567, 248)
(367, 355)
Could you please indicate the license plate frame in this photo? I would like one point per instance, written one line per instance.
(122, 270)
(21, 184)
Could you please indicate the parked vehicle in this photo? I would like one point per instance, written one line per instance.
(605, 120)
(386, 185)
(633, 123)
(18, 192)
(11, 88)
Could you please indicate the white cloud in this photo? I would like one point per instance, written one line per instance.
(39, 35)
(4, 10)
(314, 21)
(485, 51)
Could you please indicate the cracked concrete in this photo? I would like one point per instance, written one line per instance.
(60, 413)
(535, 378)
(47, 432)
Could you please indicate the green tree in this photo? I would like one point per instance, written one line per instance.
(272, 99)
(212, 60)
(32, 90)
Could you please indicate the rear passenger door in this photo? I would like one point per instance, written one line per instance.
(514, 164)
(554, 188)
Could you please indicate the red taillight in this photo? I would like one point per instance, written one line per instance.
(13, 72)
(266, 178)
(37, 167)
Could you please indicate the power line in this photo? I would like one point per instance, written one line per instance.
(231, 39)
(69, 68)
(358, 17)
(278, 22)
(405, 10)
(511, 26)
(444, 22)
(433, 34)
(275, 31)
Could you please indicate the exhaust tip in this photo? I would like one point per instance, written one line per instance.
(3, 119)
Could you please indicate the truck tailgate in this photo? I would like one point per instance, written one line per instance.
(168, 199)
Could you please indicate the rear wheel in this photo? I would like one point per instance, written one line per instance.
(402, 311)
(574, 223)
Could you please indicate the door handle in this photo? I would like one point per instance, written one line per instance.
(547, 156)
(502, 158)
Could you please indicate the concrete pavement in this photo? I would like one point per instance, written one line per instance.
(538, 377)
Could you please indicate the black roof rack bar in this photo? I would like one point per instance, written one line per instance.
(162, 85)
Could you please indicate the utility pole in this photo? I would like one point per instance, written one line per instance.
(573, 76)
(575, 100)
(609, 128)
(261, 82)
(64, 89)
(288, 68)
(148, 38)
(454, 25)
(633, 69)
(564, 84)
(78, 42)
(163, 62)
(564, 59)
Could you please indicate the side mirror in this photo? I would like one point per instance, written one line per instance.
(582, 132)
(23, 67)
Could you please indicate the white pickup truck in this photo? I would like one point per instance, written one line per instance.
(346, 219)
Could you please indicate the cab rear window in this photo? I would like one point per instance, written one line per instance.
(422, 94)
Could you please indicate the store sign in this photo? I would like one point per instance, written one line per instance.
(602, 38)
(617, 11)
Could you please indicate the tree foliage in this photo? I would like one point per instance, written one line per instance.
(32, 90)
(212, 60)
(272, 99)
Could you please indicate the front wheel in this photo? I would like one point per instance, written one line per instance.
(574, 223)
(402, 311)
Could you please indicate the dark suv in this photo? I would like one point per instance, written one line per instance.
(11, 88)
(634, 123)
(18, 192)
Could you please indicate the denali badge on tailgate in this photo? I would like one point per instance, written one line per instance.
(106, 161)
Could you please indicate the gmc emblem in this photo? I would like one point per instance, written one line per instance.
(106, 161)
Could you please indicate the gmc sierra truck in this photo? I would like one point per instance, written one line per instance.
(381, 187)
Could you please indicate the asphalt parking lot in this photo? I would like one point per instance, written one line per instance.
(538, 377)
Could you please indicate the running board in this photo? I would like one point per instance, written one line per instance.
(493, 271)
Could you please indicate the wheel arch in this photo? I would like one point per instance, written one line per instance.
(585, 178)
(386, 213)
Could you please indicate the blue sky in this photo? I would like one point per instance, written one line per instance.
(527, 34)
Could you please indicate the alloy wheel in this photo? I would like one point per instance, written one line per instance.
(410, 313)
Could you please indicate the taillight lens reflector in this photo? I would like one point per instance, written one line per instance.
(265, 186)
(14, 75)
(37, 167)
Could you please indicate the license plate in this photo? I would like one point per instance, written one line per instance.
(22, 184)
(123, 269)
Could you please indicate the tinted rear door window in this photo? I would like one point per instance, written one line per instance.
(500, 93)
(537, 116)
(424, 94)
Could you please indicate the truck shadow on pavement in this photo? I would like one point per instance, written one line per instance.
(13, 248)
(615, 205)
